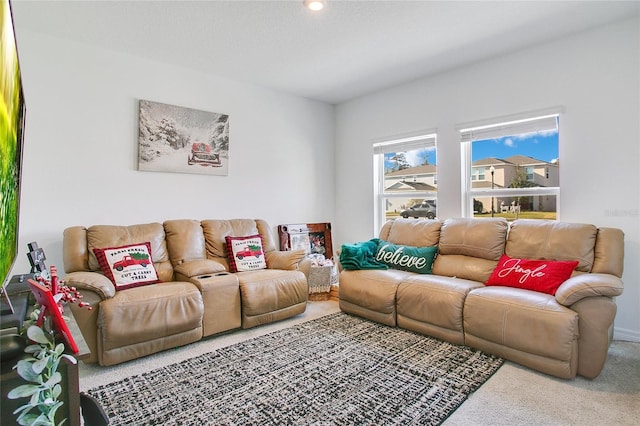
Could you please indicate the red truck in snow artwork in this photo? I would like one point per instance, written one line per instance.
(250, 250)
(127, 260)
(202, 154)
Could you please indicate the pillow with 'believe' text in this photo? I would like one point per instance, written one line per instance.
(407, 258)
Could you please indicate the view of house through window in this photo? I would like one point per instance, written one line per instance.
(513, 169)
(406, 178)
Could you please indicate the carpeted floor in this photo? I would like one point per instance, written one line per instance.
(514, 395)
(337, 369)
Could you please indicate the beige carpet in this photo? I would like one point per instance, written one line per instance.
(513, 396)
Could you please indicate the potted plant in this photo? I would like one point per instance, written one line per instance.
(40, 369)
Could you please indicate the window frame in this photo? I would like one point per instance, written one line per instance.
(415, 140)
(530, 122)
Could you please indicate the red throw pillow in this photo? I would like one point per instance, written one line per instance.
(544, 276)
(245, 253)
(127, 266)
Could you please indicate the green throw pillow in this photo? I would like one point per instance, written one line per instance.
(407, 258)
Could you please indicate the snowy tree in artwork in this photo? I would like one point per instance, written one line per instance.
(183, 140)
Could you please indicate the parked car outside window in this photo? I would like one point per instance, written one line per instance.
(425, 209)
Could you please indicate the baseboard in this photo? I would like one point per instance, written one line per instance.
(626, 334)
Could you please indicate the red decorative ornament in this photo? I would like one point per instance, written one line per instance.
(61, 292)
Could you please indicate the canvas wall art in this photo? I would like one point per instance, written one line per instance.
(182, 140)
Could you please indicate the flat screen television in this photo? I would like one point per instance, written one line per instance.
(12, 113)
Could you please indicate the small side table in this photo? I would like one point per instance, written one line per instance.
(322, 285)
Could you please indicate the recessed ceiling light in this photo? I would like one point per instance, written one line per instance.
(314, 5)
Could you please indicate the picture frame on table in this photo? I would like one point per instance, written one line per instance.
(315, 237)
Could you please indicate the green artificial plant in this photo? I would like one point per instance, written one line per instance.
(40, 370)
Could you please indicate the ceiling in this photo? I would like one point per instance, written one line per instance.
(348, 50)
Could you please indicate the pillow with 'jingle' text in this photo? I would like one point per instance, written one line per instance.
(544, 276)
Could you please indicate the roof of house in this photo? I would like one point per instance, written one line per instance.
(516, 160)
(524, 160)
(416, 186)
(417, 170)
(489, 161)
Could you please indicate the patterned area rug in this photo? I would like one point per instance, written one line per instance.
(335, 370)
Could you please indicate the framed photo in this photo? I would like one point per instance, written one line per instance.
(300, 241)
(314, 237)
(182, 140)
(36, 258)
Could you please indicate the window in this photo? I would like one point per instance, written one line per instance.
(511, 167)
(405, 177)
(528, 171)
(478, 173)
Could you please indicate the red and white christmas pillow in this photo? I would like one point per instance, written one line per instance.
(245, 253)
(544, 276)
(127, 266)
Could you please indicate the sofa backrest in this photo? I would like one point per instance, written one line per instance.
(79, 242)
(596, 250)
(411, 232)
(172, 243)
(185, 241)
(552, 240)
(470, 248)
(190, 240)
(609, 252)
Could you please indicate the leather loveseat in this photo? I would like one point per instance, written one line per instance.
(564, 334)
(197, 295)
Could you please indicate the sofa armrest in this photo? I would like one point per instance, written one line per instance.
(287, 260)
(588, 285)
(197, 267)
(305, 266)
(92, 281)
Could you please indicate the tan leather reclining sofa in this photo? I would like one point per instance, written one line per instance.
(197, 296)
(562, 335)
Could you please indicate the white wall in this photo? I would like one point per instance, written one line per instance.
(81, 141)
(80, 157)
(593, 75)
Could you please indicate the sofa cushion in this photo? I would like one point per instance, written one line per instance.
(465, 267)
(271, 294)
(100, 236)
(470, 248)
(216, 231)
(286, 260)
(150, 313)
(371, 293)
(412, 232)
(481, 238)
(538, 275)
(199, 267)
(185, 241)
(433, 305)
(525, 321)
(245, 253)
(127, 266)
(406, 258)
(553, 240)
